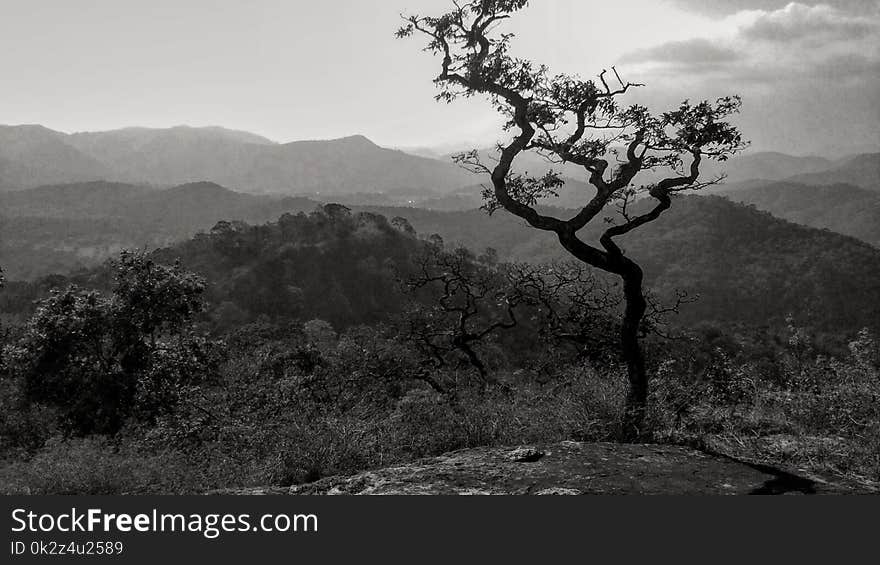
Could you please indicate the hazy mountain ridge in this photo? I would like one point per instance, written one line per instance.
(33, 156)
(862, 171)
(139, 204)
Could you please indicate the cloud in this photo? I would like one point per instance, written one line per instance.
(796, 42)
(688, 53)
(816, 23)
(809, 75)
(725, 7)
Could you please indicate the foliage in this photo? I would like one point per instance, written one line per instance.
(841, 208)
(330, 264)
(797, 407)
(279, 416)
(100, 360)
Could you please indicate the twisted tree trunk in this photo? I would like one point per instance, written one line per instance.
(637, 397)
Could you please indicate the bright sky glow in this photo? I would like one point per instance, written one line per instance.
(291, 69)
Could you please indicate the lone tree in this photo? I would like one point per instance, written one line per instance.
(570, 120)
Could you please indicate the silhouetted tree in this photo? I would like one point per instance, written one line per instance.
(571, 120)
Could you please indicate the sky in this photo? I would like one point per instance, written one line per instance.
(809, 72)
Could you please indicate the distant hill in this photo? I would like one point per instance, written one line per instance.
(862, 171)
(59, 228)
(351, 164)
(76, 200)
(842, 208)
(180, 209)
(32, 156)
(767, 166)
(168, 156)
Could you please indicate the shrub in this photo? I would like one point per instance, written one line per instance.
(100, 360)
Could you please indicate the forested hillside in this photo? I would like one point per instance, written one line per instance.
(841, 208)
(329, 264)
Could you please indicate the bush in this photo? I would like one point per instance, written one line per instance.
(809, 411)
(100, 360)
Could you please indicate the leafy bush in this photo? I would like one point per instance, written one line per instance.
(100, 360)
(809, 411)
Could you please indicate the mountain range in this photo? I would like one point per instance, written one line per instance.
(32, 156)
(862, 171)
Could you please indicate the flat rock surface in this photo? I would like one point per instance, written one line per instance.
(568, 468)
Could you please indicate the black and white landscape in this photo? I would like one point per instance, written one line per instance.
(551, 274)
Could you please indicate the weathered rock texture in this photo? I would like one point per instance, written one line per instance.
(569, 468)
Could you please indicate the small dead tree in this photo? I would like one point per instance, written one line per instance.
(469, 304)
(570, 120)
(569, 303)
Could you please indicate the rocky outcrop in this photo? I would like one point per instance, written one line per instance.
(568, 468)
